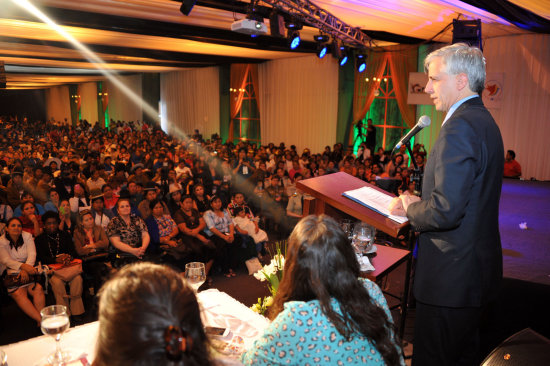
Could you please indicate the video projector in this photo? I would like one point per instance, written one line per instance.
(249, 26)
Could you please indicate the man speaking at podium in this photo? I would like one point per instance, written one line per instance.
(459, 263)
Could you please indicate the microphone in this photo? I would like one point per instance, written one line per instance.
(423, 121)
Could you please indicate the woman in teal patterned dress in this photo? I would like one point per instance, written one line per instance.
(323, 313)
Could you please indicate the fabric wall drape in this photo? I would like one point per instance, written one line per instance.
(121, 107)
(58, 103)
(299, 101)
(191, 100)
(402, 61)
(524, 114)
(364, 91)
(88, 94)
(238, 80)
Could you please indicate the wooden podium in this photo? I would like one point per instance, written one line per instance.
(327, 199)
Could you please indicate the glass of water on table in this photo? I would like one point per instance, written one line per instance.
(55, 321)
(195, 275)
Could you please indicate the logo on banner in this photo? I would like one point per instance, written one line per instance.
(492, 94)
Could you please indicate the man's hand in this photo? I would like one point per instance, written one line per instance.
(399, 205)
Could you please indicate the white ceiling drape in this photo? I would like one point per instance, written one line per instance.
(191, 100)
(298, 100)
(88, 95)
(121, 107)
(58, 103)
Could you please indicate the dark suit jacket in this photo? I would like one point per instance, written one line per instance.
(459, 255)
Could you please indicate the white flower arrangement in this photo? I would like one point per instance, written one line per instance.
(273, 274)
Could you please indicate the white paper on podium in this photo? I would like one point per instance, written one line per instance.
(375, 200)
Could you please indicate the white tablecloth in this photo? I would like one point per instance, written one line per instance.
(218, 310)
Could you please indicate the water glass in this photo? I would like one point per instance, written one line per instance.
(363, 237)
(55, 321)
(195, 274)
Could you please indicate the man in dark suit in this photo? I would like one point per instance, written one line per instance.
(459, 263)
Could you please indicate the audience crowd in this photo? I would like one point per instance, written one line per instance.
(131, 192)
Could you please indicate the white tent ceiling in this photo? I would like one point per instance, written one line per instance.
(143, 35)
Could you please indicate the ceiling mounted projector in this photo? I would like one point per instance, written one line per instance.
(249, 26)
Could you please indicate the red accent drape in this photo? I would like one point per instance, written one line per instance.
(239, 75)
(401, 62)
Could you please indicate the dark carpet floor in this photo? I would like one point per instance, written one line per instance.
(526, 252)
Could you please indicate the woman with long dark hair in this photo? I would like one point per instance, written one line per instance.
(18, 255)
(148, 315)
(323, 313)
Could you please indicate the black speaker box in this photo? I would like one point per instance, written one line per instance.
(2, 76)
(526, 347)
(277, 25)
(467, 31)
(186, 6)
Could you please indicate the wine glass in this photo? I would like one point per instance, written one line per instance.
(55, 321)
(363, 237)
(347, 227)
(195, 274)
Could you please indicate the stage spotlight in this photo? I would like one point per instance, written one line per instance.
(322, 50)
(322, 46)
(294, 39)
(361, 62)
(292, 25)
(343, 55)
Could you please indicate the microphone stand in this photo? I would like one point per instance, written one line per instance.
(417, 174)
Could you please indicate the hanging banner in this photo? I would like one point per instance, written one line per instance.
(416, 94)
(494, 86)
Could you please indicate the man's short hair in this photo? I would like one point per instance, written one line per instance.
(512, 153)
(461, 58)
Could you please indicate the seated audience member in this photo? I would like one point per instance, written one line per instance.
(101, 216)
(284, 180)
(294, 208)
(249, 227)
(127, 234)
(323, 318)
(243, 167)
(91, 245)
(67, 220)
(95, 181)
(15, 188)
(53, 201)
(149, 316)
(348, 167)
(109, 197)
(512, 169)
(43, 187)
(150, 195)
(80, 200)
(191, 225)
(220, 229)
(56, 246)
(6, 212)
(162, 229)
(27, 196)
(174, 198)
(238, 201)
(274, 204)
(201, 200)
(18, 255)
(32, 223)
